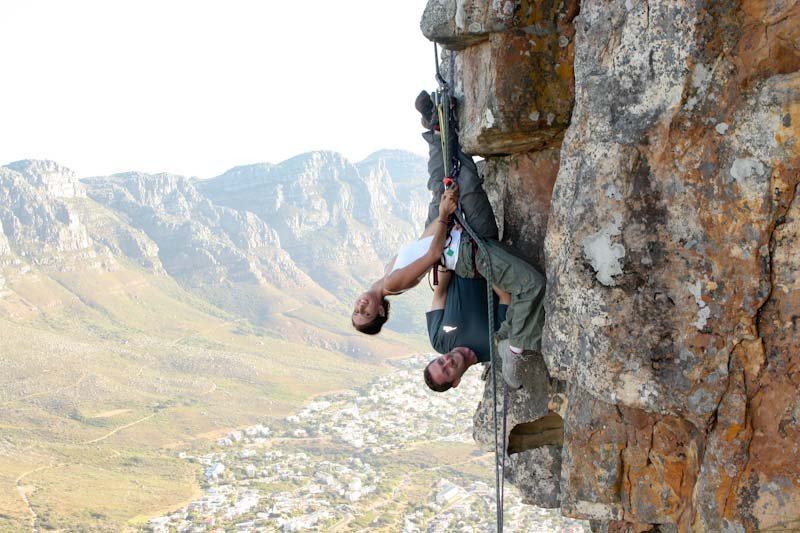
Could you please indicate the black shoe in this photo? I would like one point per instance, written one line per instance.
(430, 116)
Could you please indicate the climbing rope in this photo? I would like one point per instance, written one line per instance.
(447, 121)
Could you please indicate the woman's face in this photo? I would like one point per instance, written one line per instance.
(366, 308)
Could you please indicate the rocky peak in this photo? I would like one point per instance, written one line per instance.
(241, 177)
(350, 212)
(58, 181)
(35, 221)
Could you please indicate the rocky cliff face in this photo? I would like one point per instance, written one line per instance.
(38, 222)
(198, 241)
(231, 257)
(51, 177)
(668, 135)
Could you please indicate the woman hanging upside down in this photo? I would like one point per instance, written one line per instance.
(510, 274)
(412, 262)
(406, 269)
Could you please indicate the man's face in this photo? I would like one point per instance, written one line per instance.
(449, 368)
(366, 308)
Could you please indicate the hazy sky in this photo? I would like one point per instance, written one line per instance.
(195, 87)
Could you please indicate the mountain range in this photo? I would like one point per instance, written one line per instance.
(259, 239)
(140, 313)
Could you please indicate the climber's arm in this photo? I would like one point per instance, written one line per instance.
(408, 276)
(440, 291)
(503, 297)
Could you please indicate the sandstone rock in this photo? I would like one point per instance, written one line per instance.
(457, 24)
(525, 184)
(727, 448)
(665, 253)
(494, 184)
(516, 87)
(519, 114)
(536, 473)
(627, 464)
(672, 292)
(534, 432)
(649, 294)
(768, 492)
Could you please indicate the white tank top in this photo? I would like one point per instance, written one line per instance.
(414, 250)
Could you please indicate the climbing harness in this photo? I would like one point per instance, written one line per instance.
(443, 100)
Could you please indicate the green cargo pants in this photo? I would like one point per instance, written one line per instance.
(525, 315)
(474, 201)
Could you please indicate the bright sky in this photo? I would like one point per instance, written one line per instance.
(195, 87)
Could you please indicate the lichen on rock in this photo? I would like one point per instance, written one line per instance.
(668, 242)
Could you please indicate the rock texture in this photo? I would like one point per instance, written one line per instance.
(37, 222)
(514, 73)
(670, 241)
(534, 431)
(523, 184)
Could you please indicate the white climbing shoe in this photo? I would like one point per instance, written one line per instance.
(512, 365)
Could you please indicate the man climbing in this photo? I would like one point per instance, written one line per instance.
(457, 324)
(519, 285)
(457, 317)
(458, 331)
(457, 327)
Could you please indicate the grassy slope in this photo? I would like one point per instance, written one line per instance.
(103, 375)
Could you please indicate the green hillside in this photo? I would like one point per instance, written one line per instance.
(105, 372)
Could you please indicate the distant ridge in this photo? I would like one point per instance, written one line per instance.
(313, 229)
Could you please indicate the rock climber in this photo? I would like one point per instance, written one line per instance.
(456, 305)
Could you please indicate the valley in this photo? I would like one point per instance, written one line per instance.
(137, 317)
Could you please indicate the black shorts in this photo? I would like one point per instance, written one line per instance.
(463, 321)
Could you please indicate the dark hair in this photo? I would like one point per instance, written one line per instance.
(435, 387)
(374, 327)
